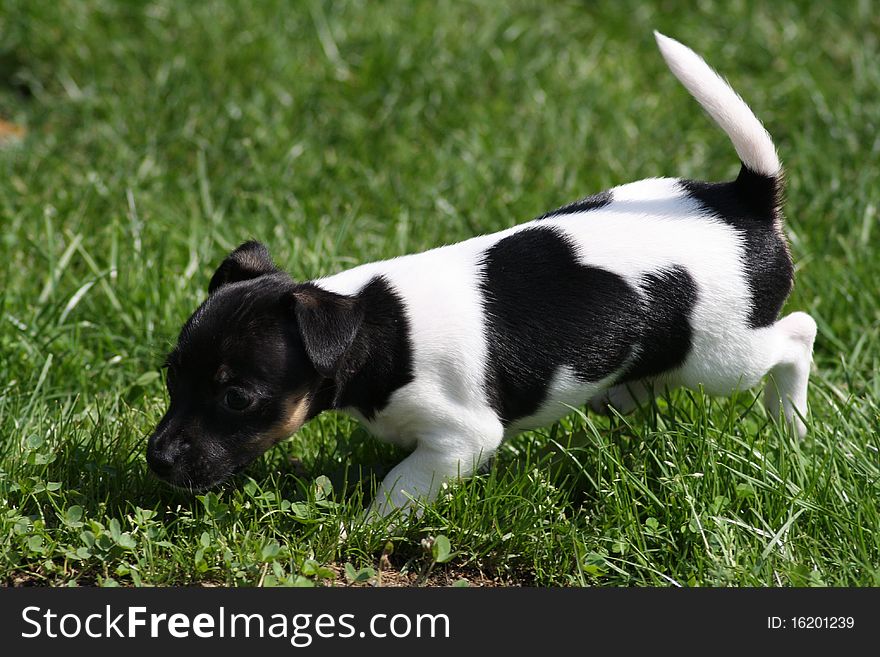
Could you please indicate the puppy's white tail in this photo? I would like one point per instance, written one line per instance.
(751, 141)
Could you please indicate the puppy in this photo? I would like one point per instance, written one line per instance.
(651, 285)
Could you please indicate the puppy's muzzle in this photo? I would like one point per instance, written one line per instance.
(163, 451)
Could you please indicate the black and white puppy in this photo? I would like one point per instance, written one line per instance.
(651, 285)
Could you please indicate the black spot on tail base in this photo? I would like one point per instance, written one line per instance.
(751, 204)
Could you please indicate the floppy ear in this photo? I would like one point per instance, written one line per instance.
(328, 323)
(250, 260)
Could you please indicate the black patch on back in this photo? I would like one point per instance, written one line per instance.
(544, 309)
(751, 204)
(379, 361)
(668, 296)
(593, 202)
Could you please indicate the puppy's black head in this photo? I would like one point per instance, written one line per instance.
(254, 362)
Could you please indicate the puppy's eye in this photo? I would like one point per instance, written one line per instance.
(237, 399)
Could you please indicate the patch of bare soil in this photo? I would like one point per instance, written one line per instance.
(405, 573)
(447, 576)
(10, 132)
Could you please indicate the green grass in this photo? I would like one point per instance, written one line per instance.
(162, 134)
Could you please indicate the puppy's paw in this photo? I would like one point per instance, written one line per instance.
(343, 534)
(623, 398)
(615, 398)
(600, 403)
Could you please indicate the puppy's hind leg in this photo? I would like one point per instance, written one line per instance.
(623, 397)
(785, 394)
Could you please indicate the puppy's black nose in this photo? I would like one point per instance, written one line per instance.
(161, 461)
(162, 452)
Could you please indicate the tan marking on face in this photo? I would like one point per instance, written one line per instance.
(296, 410)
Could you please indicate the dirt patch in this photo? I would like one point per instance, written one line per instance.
(388, 577)
(394, 571)
(10, 132)
(451, 576)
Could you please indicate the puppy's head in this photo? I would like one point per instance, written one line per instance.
(255, 361)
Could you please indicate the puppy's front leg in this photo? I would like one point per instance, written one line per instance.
(418, 478)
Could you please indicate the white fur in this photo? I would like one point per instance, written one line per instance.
(444, 415)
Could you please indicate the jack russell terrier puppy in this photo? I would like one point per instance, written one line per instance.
(655, 284)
